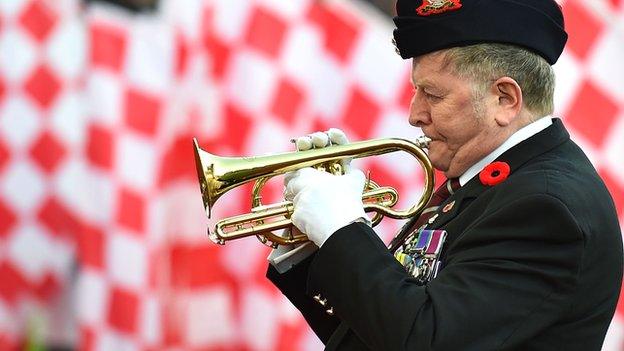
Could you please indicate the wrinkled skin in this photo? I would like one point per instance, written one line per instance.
(464, 126)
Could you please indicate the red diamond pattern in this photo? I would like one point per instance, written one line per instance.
(57, 218)
(220, 54)
(320, 125)
(108, 46)
(48, 152)
(43, 86)
(142, 111)
(199, 266)
(340, 30)
(195, 266)
(5, 155)
(582, 28)
(238, 128)
(616, 190)
(13, 284)
(174, 167)
(123, 311)
(131, 210)
(439, 178)
(592, 113)
(87, 339)
(287, 101)
(265, 32)
(7, 342)
(100, 146)
(361, 113)
(407, 92)
(90, 248)
(47, 287)
(182, 54)
(8, 219)
(2, 85)
(38, 19)
(383, 176)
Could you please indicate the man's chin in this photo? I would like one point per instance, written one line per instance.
(437, 161)
(442, 167)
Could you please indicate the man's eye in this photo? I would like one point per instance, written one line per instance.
(431, 96)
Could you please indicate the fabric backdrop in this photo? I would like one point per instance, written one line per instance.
(102, 229)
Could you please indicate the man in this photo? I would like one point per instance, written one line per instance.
(533, 254)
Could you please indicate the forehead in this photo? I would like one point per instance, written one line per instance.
(430, 66)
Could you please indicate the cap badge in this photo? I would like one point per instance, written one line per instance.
(436, 7)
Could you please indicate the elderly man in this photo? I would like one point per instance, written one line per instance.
(520, 249)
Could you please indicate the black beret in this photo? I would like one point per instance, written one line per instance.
(424, 26)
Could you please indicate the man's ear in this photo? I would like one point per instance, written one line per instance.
(509, 100)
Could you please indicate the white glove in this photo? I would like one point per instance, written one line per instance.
(324, 203)
(286, 256)
(333, 136)
(317, 140)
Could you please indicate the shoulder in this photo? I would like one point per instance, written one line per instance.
(563, 179)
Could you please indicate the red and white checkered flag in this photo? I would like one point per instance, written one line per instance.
(101, 222)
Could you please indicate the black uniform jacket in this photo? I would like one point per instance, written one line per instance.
(532, 263)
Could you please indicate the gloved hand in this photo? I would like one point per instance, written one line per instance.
(285, 256)
(324, 203)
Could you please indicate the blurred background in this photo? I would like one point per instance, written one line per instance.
(102, 230)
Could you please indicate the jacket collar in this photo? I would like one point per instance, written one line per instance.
(516, 157)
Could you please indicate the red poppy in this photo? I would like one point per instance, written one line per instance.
(494, 173)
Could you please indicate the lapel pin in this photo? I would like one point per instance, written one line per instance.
(448, 206)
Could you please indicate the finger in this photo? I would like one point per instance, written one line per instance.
(319, 139)
(298, 222)
(301, 178)
(287, 195)
(288, 176)
(303, 143)
(357, 176)
(300, 173)
(346, 164)
(337, 136)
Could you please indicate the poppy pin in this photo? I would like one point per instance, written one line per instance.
(494, 173)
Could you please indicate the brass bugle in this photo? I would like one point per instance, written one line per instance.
(217, 175)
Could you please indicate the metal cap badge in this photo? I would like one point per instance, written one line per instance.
(436, 7)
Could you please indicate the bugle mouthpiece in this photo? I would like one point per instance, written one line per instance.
(423, 142)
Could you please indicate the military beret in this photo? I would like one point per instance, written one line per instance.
(424, 26)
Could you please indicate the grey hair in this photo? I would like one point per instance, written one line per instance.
(483, 63)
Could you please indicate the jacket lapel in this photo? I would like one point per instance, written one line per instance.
(450, 208)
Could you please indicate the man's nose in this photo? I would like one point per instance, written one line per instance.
(419, 113)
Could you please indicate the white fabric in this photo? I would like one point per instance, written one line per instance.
(317, 140)
(515, 139)
(325, 202)
(284, 257)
